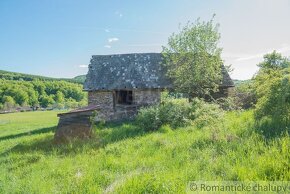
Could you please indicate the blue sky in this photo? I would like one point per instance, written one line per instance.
(57, 37)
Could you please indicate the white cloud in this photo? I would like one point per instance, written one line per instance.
(83, 66)
(245, 65)
(110, 40)
(283, 50)
(257, 56)
(107, 30)
(108, 46)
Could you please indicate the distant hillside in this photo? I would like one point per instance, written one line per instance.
(20, 91)
(80, 78)
(239, 82)
(7, 75)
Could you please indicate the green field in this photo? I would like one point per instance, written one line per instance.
(123, 159)
(18, 123)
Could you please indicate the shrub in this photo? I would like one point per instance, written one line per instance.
(272, 84)
(204, 113)
(246, 96)
(275, 101)
(165, 129)
(178, 113)
(174, 112)
(148, 118)
(229, 104)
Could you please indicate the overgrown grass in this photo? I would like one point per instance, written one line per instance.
(121, 158)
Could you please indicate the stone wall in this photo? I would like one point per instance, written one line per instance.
(109, 110)
(146, 97)
(105, 101)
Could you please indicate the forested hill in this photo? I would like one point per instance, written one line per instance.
(23, 91)
(240, 82)
(7, 75)
(80, 78)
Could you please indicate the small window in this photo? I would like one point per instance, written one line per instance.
(124, 97)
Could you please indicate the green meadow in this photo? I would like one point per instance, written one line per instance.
(122, 158)
(21, 123)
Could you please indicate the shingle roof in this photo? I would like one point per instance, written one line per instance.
(128, 71)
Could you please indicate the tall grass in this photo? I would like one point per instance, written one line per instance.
(121, 158)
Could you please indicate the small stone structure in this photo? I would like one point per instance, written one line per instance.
(118, 85)
(75, 124)
(121, 84)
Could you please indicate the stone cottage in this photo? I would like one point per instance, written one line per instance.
(118, 85)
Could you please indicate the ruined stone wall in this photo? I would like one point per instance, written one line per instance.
(146, 97)
(105, 101)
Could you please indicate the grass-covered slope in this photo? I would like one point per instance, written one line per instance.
(123, 159)
(240, 82)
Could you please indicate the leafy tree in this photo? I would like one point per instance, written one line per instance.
(59, 97)
(8, 99)
(71, 103)
(274, 61)
(39, 86)
(9, 103)
(33, 97)
(192, 59)
(21, 97)
(276, 99)
(45, 101)
(272, 85)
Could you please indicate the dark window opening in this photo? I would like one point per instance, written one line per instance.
(124, 97)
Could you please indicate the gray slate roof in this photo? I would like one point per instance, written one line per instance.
(128, 71)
